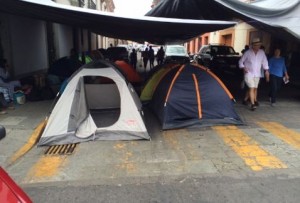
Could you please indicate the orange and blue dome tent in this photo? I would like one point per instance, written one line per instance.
(153, 81)
(192, 96)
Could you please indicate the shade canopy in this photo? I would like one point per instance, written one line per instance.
(152, 29)
(280, 18)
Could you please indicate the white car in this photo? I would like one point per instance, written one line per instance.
(176, 54)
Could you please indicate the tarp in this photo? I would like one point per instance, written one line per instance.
(280, 17)
(151, 29)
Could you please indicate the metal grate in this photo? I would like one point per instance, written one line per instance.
(66, 149)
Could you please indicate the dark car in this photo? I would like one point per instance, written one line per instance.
(117, 53)
(219, 58)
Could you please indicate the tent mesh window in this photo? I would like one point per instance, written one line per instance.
(103, 98)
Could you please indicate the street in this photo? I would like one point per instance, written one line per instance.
(255, 162)
(183, 189)
(238, 152)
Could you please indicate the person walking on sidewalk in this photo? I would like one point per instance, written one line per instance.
(160, 55)
(251, 62)
(145, 55)
(277, 71)
(133, 58)
(151, 57)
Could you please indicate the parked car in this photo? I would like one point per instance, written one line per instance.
(220, 58)
(10, 192)
(123, 45)
(176, 54)
(117, 53)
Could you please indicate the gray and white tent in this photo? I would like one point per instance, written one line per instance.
(88, 111)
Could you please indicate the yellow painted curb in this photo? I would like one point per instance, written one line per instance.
(248, 149)
(289, 136)
(30, 143)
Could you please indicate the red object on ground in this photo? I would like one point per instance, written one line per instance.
(131, 75)
(10, 192)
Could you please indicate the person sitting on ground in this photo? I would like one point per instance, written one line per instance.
(5, 80)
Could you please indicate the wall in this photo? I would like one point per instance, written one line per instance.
(25, 45)
(63, 40)
(214, 37)
(241, 36)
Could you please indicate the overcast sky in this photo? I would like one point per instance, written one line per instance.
(132, 8)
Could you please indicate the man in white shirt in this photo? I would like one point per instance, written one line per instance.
(252, 61)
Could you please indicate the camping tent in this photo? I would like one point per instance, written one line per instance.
(130, 73)
(190, 96)
(95, 111)
(157, 74)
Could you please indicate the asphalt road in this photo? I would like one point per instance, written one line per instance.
(257, 162)
(183, 189)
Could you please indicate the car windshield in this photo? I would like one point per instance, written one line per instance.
(176, 50)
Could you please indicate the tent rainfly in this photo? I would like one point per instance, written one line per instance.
(82, 114)
(192, 96)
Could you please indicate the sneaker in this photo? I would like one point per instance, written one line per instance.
(245, 102)
(253, 107)
(256, 103)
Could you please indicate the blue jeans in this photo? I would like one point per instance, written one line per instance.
(275, 85)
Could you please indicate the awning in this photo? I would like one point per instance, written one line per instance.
(280, 18)
(152, 29)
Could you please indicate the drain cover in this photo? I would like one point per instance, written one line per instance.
(66, 149)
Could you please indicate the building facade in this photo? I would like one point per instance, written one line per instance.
(32, 45)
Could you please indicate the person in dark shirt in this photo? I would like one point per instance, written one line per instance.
(133, 58)
(145, 55)
(277, 71)
(151, 57)
(160, 55)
